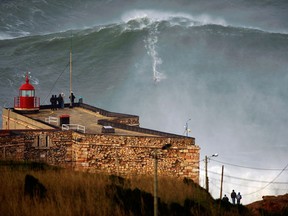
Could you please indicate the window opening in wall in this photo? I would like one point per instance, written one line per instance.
(42, 141)
(47, 141)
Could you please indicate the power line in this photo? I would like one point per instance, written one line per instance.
(227, 192)
(247, 167)
(55, 82)
(269, 182)
(245, 179)
(251, 180)
(243, 185)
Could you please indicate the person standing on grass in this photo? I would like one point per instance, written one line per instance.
(225, 199)
(238, 197)
(233, 196)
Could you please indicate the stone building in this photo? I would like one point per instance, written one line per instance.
(91, 139)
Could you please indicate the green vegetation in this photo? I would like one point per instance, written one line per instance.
(80, 193)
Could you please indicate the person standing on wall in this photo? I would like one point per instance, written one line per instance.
(233, 196)
(72, 98)
(62, 104)
(52, 100)
(60, 101)
(56, 102)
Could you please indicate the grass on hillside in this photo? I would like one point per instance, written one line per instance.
(80, 193)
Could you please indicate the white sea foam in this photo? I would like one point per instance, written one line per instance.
(34, 80)
(151, 47)
(55, 38)
(13, 35)
(173, 17)
(147, 17)
(4, 36)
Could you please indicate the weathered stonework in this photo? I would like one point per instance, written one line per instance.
(120, 154)
(28, 146)
(126, 155)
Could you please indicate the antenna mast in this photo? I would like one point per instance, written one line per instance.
(70, 95)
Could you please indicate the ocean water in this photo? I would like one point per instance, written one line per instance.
(219, 66)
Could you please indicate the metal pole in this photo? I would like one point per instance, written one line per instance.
(155, 183)
(186, 128)
(117, 163)
(206, 173)
(70, 76)
(221, 188)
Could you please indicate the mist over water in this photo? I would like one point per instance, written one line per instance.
(222, 64)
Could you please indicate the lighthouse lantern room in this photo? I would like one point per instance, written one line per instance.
(26, 101)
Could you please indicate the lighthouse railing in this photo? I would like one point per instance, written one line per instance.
(36, 102)
(17, 102)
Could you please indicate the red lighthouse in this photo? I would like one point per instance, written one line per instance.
(26, 101)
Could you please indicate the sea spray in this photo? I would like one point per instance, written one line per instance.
(151, 47)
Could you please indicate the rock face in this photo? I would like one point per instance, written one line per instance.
(270, 205)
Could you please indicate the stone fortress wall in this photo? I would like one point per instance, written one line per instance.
(125, 155)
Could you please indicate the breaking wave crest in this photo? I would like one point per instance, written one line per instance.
(146, 17)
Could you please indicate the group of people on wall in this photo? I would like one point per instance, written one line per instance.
(235, 197)
(58, 102)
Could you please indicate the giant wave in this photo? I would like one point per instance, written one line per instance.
(225, 71)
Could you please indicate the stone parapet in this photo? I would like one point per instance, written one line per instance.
(119, 155)
(130, 155)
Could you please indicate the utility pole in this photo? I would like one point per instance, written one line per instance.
(70, 72)
(206, 173)
(155, 183)
(221, 188)
(70, 92)
(206, 170)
